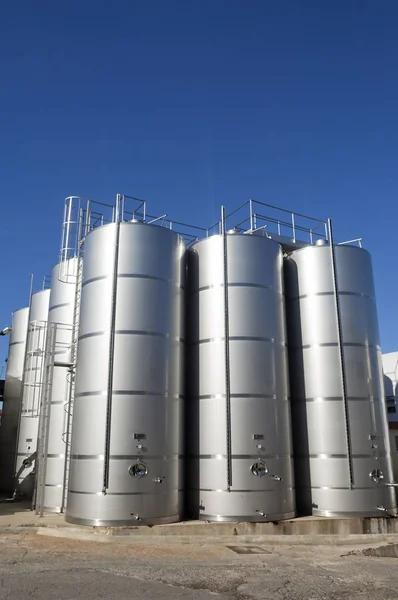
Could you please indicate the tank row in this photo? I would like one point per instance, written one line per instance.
(235, 375)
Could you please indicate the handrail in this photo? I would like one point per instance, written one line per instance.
(356, 240)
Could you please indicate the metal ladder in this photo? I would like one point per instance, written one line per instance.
(45, 410)
(72, 380)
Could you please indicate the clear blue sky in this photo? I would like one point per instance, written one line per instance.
(194, 103)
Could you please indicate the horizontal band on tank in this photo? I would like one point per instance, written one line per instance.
(239, 338)
(53, 485)
(125, 493)
(336, 345)
(149, 333)
(59, 306)
(236, 285)
(88, 394)
(15, 343)
(55, 455)
(132, 332)
(55, 402)
(30, 414)
(133, 276)
(223, 396)
(95, 334)
(345, 488)
(304, 296)
(127, 456)
(356, 456)
(226, 491)
(131, 393)
(258, 456)
(332, 399)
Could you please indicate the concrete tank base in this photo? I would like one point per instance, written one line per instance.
(306, 528)
(347, 515)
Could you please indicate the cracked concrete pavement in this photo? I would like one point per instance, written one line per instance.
(36, 566)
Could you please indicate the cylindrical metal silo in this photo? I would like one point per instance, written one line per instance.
(238, 414)
(342, 452)
(32, 384)
(127, 423)
(12, 398)
(60, 323)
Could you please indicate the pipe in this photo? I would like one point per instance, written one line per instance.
(111, 363)
(341, 354)
(227, 359)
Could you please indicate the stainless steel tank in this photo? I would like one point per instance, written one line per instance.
(342, 452)
(12, 398)
(238, 414)
(32, 384)
(60, 318)
(127, 423)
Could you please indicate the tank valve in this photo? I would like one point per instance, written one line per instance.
(158, 479)
(261, 513)
(276, 478)
(392, 484)
(201, 506)
(385, 510)
(136, 517)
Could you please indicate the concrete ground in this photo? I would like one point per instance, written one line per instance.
(43, 567)
(48, 559)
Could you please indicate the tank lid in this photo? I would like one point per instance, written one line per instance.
(135, 221)
(232, 231)
(321, 242)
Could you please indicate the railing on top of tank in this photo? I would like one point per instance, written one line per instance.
(356, 241)
(190, 233)
(254, 215)
(46, 282)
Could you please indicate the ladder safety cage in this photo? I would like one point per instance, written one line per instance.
(71, 377)
(81, 215)
(33, 375)
(45, 412)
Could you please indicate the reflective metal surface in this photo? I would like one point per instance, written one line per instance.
(12, 398)
(237, 481)
(31, 392)
(61, 311)
(129, 380)
(334, 459)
